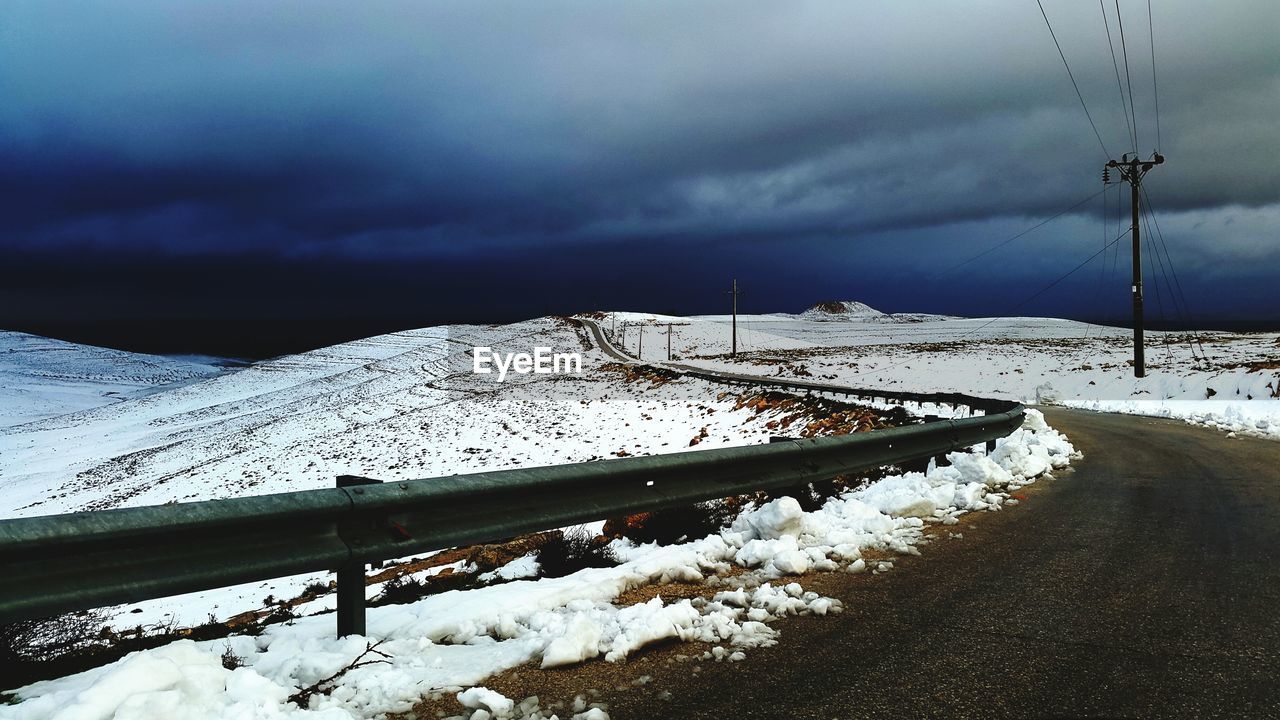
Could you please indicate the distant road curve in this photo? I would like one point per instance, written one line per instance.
(603, 343)
(1144, 584)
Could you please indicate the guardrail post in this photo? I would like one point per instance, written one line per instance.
(940, 459)
(351, 599)
(351, 588)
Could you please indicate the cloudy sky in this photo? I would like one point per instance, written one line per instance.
(244, 176)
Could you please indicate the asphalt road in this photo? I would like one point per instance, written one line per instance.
(601, 342)
(1144, 584)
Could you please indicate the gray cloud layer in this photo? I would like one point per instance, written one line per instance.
(441, 128)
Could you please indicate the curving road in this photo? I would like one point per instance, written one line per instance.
(1144, 584)
(603, 343)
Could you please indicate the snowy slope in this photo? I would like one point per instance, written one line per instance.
(41, 377)
(1027, 359)
(844, 311)
(400, 405)
(859, 312)
(645, 334)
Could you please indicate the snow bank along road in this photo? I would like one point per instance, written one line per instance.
(1142, 585)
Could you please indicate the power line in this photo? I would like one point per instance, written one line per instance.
(1005, 242)
(1068, 274)
(1073, 78)
(1151, 209)
(1017, 307)
(1102, 269)
(1154, 90)
(1115, 251)
(1128, 80)
(1179, 309)
(1128, 127)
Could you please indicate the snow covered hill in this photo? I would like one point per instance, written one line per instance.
(858, 312)
(844, 311)
(407, 405)
(41, 377)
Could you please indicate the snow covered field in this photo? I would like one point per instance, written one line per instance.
(1027, 359)
(41, 377)
(404, 405)
(452, 641)
(407, 405)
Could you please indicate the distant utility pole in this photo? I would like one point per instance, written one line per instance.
(669, 326)
(734, 293)
(640, 346)
(1132, 170)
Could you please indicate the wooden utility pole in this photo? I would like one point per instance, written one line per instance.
(1132, 170)
(734, 292)
(640, 345)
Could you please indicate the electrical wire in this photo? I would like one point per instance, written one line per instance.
(1073, 79)
(1128, 80)
(1154, 88)
(1172, 269)
(1102, 271)
(1155, 281)
(1115, 64)
(1015, 308)
(1115, 253)
(1005, 242)
(1179, 309)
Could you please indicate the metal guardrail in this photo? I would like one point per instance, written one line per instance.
(77, 561)
(938, 398)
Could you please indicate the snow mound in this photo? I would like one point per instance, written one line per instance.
(857, 312)
(844, 310)
(1257, 418)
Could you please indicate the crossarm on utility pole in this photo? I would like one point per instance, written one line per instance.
(1132, 171)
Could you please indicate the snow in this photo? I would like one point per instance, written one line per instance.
(457, 639)
(405, 405)
(488, 700)
(522, 567)
(42, 378)
(396, 406)
(1258, 418)
(1031, 360)
(854, 311)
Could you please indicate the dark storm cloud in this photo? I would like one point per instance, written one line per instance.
(468, 130)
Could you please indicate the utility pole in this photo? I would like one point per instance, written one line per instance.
(669, 326)
(734, 293)
(640, 345)
(1132, 170)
